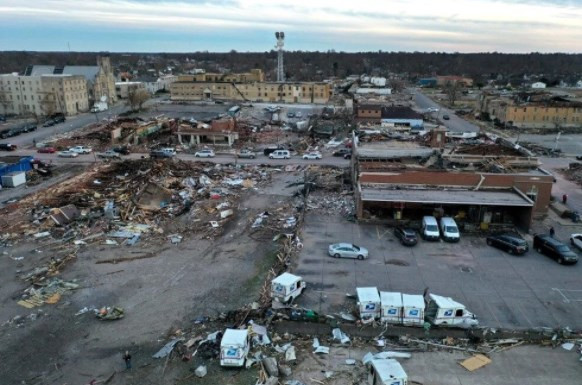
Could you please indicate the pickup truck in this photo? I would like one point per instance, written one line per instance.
(81, 149)
(109, 154)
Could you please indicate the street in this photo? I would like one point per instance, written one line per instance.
(454, 123)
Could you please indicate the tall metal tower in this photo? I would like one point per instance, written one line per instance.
(280, 43)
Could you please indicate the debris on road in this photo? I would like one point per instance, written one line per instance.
(475, 362)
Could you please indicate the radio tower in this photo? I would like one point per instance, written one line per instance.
(280, 43)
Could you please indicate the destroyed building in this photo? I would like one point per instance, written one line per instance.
(482, 184)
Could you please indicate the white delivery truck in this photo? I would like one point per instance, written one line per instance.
(412, 309)
(234, 347)
(391, 304)
(447, 312)
(368, 303)
(386, 372)
(286, 287)
(101, 105)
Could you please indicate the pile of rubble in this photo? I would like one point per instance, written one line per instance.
(574, 173)
(118, 202)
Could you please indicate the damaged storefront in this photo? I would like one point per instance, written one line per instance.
(473, 210)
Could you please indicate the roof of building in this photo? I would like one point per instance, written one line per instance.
(367, 294)
(369, 106)
(449, 197)
(89, 72)
(392, 149)
(389, 370)
(234, 337)
(400, 113)
(38, 70)
(446, 302)
(286, 279)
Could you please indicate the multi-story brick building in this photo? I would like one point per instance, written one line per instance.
(247, 87)
(548, 113)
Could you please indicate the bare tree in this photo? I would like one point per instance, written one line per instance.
(452, 89)
(136, 97)
(396, 85)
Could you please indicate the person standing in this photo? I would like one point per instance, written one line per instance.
(127, 359)
(564, 198)
(552, 231)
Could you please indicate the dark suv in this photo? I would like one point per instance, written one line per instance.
(555, 249)
(512, 243)
(406, 236)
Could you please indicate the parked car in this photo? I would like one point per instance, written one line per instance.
(406, 236)
(204, 153)
(46, 150)
(342, 152)
(2, 118)
(68, 154)
(347, 250)
(299, 114)
(247, 154)
(446, 117)
(58, 118)
(49, 123)
(109, 154)
(312, 155)
(578, 157)
(123, 150)
(267, 151)
(163, 153)
(449, 230)
(432, 109)
(81, 150)
(512, 243)
(290, 114)
(280, 154)
(430, 229)
(4, 134)
(576, 241)
(555, 249)
(7, 147)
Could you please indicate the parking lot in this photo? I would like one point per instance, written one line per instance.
(501, 289)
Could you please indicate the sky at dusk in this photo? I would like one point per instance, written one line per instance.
(309, 25)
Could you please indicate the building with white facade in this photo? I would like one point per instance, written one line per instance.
(43, 95)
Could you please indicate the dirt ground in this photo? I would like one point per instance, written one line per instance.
(165, 290)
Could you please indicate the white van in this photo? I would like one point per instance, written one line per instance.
(449, 230)
(430, 229)
(446, 311)
(280, 154)
(286, 287)
(386, 372)
(234, 347)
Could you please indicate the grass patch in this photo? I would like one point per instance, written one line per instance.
(262, 267)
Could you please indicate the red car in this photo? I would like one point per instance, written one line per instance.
(46, 150)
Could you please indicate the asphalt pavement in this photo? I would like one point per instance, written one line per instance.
(455, 123)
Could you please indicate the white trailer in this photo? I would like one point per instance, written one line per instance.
(391, 305)
(412, 309)
(234, 347)
(368, 302)
(286, 287)
(386, 372)
(447, 312)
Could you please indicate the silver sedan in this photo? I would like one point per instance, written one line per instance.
(347, 250)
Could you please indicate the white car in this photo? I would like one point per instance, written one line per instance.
(81, 149)
(432, 109)
(206, 153)
(576, 241)
(312, 155)
(68, 154)
(347, 250)
(299, 114)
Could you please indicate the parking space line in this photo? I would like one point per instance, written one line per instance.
(566, 300)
